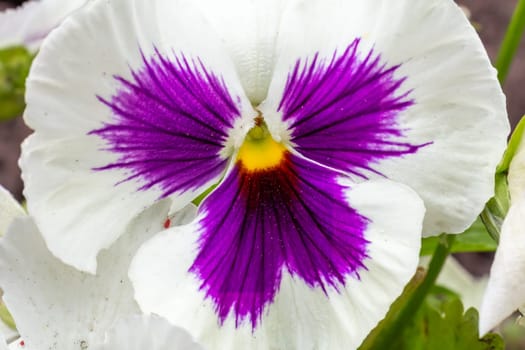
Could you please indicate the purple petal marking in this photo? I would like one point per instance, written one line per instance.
(170, 123)
(256, 224)
(343, 113)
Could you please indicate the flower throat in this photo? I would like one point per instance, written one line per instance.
(259, 151)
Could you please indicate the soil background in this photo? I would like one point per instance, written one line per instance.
(490, 17)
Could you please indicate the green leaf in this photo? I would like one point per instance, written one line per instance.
(15, 63)
(474, 239)
(378, 334)
(497, 207)
(441, 324)
(407, 305)
(511, 41)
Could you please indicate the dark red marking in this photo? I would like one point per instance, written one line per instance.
(259, 120)
(167, 223)
(268, 185)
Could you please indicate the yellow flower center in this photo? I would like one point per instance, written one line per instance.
(259, 150)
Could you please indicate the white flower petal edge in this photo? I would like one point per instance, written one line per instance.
(17, 346)
(458, 102)
(163, 285)
(506, 287)
(62, 108)
(3, 344)
(516, 173)
(8, 333)
(149, 332)
(29, 24)
(249, 30)
(54, 305)
(9, 210)
(13, 345)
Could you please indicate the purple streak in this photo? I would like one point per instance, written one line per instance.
(343, 112)
(256, 224)
(170, 123)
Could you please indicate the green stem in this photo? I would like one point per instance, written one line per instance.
(511, 41)
(434, 268)
(497, 207)
(492, 223)
(410, 309)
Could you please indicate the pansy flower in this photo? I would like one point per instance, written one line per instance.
(29, 24)
(58, 307)
(308, 116)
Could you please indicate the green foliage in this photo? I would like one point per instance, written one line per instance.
(442, 324)
(497, 207)
(381, 333)
(511, 41)
(14, 68)
(439, 324)
(403, 310)
(474, 239)
(512, 148)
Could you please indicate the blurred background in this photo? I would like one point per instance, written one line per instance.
(489, 17)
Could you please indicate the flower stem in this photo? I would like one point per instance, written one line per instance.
(434, 268)
(407, 313)
(511, 41)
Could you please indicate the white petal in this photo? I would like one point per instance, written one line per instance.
(18, 344)
(249, 30)
(8, 333)
(9, 210)
(3, 344)
(31, 22)
(54, 305)
(459, 105)
(506, 287)
(76, 64)
(300, 317)
(149, 332)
